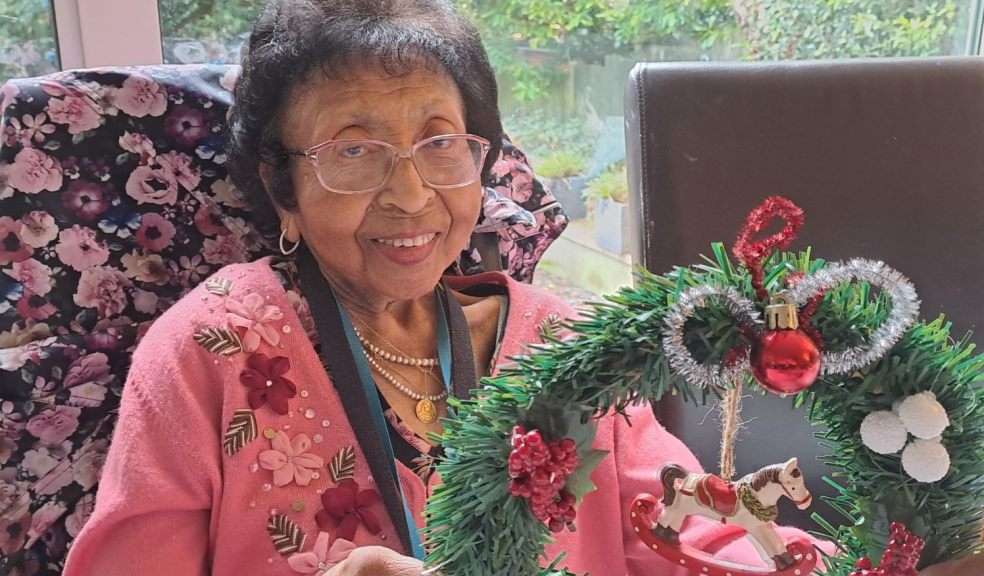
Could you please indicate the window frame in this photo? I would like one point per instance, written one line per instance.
(93, 33)
(88, 38)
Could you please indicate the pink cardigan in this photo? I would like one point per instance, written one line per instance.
(172, 501)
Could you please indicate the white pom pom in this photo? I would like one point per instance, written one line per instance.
(883, 432)
(925, 461)
(923, 416)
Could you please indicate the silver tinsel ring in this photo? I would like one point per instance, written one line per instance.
(905, 308)
(681, 360)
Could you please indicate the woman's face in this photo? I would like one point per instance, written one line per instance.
(394, 243)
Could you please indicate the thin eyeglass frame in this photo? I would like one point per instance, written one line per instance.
(312, 155)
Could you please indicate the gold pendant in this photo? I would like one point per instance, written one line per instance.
(426, 411)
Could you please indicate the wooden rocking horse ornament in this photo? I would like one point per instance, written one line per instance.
(750, 503)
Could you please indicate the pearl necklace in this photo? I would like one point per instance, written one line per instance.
(425, 410)
(406, 390)
(396, 358)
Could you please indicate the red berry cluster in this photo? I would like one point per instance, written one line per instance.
(538, 471)
(900, 557)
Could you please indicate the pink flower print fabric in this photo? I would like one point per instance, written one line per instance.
(289, 460)
(77, 112)
(55, 425)
(34, 171)
(141, 96)
(255, 317)
(321, 558)
(79, 248)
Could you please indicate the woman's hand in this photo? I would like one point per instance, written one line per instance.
(376, 561)
(969, 566)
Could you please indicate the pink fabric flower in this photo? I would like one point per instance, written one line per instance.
(322, 557)
(209, 222)
(35, 276)
(88, 368)
(102, 288)
(34, 171)
(138, 144)
(88, 395)
(77, 519)
(43, 518)
(144, 301)
(85, 199)
(145, 268)
(265, 379)
(225, 249)
(36, 128)
(155, 232)
(12, 248)
(54, 425)
(289, 461)
(152, 185)
(77, 247)
(254, 315)
(140, 96)
(76, 111)
(34, 307)
(39, 462)
(349, 507)
(39, 229)
(88, 464)
(180, 165)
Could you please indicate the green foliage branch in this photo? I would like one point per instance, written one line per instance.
(476, 528)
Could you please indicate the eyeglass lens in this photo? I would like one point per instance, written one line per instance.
(355, 166)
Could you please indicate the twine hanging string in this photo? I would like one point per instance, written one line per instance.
(751, 253)
(730, 417)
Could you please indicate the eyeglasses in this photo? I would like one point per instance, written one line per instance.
(362, 166)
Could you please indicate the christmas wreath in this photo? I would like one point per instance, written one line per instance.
(899, 399)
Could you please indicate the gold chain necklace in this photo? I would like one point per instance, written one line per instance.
(426, 408)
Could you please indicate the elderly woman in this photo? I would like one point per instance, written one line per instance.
(276, 420)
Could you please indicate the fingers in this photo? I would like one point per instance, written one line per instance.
(377, 561)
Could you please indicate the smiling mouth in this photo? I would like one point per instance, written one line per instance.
(415, 242)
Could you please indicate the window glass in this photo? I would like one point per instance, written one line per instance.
(562, 67)
(27, 39)
(205, 31)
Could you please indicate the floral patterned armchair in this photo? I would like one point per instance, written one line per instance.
(114, 202)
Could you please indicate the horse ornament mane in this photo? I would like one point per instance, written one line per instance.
(900, 402)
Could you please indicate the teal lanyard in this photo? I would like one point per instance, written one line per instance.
(376, 409)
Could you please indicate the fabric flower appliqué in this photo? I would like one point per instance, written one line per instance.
(265, 378)
(254, 315)
(289, 461)
(348, 507)
(321, 558)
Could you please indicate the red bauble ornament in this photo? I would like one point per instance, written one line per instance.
(785, 361)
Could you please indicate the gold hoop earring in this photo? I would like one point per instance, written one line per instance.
(283, 240)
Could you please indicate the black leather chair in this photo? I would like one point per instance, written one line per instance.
(886, 157)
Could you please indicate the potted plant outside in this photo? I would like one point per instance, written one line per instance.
(561, 173)
(610, 193)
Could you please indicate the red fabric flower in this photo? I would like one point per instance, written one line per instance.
(348, 507)
(265, 378)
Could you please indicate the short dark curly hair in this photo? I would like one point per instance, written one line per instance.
(294, 39)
